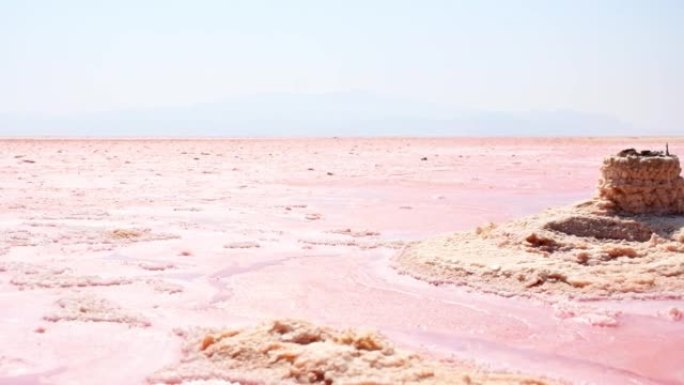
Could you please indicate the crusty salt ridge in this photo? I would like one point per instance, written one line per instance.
(296, 352)
(624, 242)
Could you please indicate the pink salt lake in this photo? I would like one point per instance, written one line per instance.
(239, 231)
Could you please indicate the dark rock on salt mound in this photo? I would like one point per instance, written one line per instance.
(643, 153)
(602, 228)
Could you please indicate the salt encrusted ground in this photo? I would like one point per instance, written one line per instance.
(290, 352)
(569, 252)
(627, 241)
(111, 250)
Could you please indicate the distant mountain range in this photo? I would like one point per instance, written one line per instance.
(334, 114)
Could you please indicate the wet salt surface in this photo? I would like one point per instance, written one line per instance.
(237, 193)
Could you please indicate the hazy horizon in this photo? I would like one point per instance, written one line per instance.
(306, 68)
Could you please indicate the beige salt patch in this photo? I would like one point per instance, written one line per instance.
(338, 242)
(42, 234)
(362, 239)
(162, 286)
(88, 308)
(393, 244)
(188, 209)
(128, 235)
(297, 352)
(30, 276)
(242, 245)
(156, 266)
(355, 233)
(313, 216)
(363, 244)
(47, 280)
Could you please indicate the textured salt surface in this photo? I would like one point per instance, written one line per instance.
(563, 251)
(33, 276)
(297, 352)
(597, 248)
(137, 231)
(87, 308)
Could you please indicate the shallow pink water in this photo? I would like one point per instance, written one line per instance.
(56, 212)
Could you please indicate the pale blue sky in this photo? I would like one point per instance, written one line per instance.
(616, 58)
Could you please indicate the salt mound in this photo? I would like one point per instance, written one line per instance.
(629, 240)
(642, 183)
(296, 352)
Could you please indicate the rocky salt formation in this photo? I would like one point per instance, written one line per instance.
(643, 182)
(627, 241)
(288, 352)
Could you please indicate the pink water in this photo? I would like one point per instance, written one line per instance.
(212, 193)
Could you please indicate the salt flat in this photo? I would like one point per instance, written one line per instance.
(110, 249)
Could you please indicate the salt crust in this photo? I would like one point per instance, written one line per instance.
(628, 241)
(288, 352)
